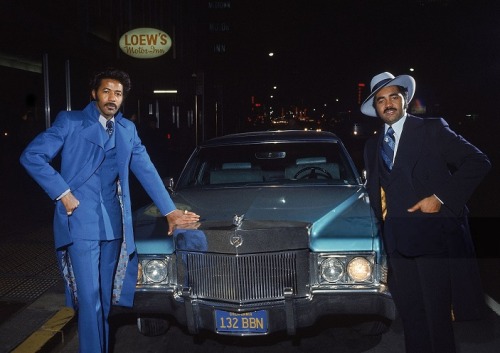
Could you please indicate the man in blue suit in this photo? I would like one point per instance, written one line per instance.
(420, 174)
(93, 218)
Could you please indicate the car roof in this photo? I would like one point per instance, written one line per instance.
(273, 136)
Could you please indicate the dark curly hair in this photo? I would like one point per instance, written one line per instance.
(114, 74)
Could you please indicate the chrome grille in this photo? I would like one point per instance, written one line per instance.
(242, 278)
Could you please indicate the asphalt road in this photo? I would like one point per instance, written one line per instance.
(472, 337)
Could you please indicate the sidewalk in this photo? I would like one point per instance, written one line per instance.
(34, 318)
(41, 327)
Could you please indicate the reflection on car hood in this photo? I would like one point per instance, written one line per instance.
(336, 214)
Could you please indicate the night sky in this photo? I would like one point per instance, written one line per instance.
(323, 49)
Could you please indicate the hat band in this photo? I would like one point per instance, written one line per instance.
(381, 83)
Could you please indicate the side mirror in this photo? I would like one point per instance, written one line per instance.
(169, 184)
(364, 176)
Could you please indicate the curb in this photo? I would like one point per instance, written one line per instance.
(50, 334)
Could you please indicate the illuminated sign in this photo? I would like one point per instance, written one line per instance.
(145, 43)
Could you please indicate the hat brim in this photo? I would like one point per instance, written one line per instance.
(404, 80)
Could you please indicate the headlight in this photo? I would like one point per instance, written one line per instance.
(359, 269)
(346, 269)
(332, 269)
(155, 271)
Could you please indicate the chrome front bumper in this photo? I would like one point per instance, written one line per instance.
(288, 314)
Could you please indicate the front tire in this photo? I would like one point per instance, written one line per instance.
(152, 326)
(373, 328)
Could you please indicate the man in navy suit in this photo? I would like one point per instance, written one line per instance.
(425, 179)
(93, 218)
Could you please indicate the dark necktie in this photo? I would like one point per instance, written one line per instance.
(109, 127)
(388, 147)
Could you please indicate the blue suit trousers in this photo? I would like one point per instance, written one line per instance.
(94, 264)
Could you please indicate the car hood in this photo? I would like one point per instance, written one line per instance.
(336, 217)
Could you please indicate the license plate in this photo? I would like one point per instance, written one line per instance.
(250, 322)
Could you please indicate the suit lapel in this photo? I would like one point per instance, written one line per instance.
(123, 139)
(95, 134)
(410, 144)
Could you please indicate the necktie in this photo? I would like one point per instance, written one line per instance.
(109, 127)
(388, 147)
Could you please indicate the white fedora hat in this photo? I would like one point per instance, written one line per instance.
(387, 79)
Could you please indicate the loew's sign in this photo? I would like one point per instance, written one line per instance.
(145, 43)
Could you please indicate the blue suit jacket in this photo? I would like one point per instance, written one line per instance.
(78, 137)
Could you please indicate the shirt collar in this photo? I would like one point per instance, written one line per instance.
(397, 126)
(103, 120)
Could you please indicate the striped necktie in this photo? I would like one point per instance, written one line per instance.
(109, 127)
(388, 145)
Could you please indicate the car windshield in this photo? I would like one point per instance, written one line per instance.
(269, 163)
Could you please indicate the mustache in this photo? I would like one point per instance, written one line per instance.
(111, 105)
(389, 109)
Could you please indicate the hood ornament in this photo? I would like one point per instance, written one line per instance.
(237, 220)
(236, 240)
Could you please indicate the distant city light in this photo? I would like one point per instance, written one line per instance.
(164, 91)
